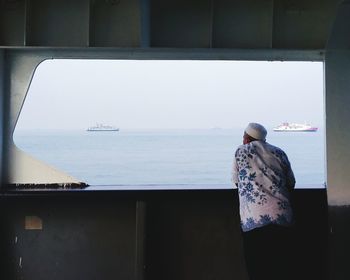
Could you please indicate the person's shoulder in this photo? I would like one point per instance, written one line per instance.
(276, 149)
(242, 146)
(245, 147)
(241, 149)
(272, 146)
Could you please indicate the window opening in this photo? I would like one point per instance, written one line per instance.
(177, 123)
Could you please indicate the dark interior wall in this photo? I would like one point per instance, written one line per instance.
(340, 247)
(144, 235)
(311, 234)
(2, 108)
(79, 238)
(194, 237)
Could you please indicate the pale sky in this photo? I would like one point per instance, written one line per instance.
(129, 94)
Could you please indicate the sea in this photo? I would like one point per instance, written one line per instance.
(182, 158)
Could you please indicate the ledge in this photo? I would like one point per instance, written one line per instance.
(135, 191)
(83, 187)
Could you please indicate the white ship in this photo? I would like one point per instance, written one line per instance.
(295, 127)
(102, 127)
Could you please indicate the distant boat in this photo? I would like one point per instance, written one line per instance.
(102, 127)
(295, 127)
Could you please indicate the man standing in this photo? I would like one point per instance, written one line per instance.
(265, 181)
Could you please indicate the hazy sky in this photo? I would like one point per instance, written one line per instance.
(76, 94)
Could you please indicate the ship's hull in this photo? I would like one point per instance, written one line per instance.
(313, 129)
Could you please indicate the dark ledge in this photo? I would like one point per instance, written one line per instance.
(34, 187)
(133, 192)
(142, 187)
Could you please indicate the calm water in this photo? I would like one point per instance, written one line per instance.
(164, 157)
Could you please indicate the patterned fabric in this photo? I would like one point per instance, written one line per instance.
(264, 178)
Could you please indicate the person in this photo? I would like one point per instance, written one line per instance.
(265, 181)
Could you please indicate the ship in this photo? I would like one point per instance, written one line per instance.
(295, 127)
(102, 127)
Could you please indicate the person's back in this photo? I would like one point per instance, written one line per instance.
(264, 178)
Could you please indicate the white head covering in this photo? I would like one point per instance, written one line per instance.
(256, 131)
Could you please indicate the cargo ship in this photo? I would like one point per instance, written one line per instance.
(295, 127)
